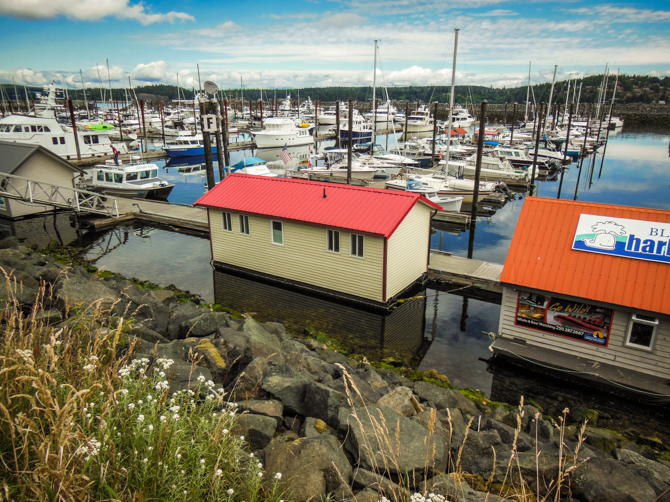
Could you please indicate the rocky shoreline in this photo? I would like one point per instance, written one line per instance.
(336, 427)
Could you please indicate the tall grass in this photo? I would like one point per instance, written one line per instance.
(80, 420)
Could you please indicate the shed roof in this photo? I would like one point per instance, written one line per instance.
(373, 211)
(13, 155)
(541, 257)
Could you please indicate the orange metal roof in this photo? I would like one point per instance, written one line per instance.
(374, 211)
(541, 257)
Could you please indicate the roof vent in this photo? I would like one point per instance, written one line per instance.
(324, 193)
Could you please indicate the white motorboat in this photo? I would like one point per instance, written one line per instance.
(449, 186)
(281, 131)
(43, 129)
(336, 165)
(420, 122)
(361, 130)
(329, 116)
(447, 203)
(137, 180)
(461, 118)
(384, 116)
(492, 169)
(252, 165)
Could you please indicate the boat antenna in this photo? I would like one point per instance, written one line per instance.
(374, 96)
(451, 102)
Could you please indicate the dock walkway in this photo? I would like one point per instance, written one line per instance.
(468, 272)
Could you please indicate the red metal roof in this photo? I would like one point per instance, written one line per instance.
(541, 257)
(359, 209)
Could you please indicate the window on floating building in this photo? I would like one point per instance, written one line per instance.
(357, 245)
(244, 224)
(641, 331)
(278, 232)
(333, 241)
(227, 222)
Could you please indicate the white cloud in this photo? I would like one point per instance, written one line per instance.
(87, 10)
(607, 14)
(151, 72)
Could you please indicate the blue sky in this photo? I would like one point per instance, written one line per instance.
(307, 43)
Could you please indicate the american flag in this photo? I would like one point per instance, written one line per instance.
(285, 156)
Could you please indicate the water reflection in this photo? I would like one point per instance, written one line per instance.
(379, 334)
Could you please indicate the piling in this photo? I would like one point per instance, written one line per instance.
(351, 139)
(478, 165)
(74, 128)
(537, 147)
(337, 123)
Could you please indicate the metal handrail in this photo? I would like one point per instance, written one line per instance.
(50, 194)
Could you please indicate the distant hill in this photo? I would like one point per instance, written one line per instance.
(630, 89)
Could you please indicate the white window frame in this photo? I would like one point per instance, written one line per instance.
(244, 224)
(272, 232)
(334, 233)
(227, 221)
(647, 321)
(359, 245)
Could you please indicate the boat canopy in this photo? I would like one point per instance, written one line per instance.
(246, 162)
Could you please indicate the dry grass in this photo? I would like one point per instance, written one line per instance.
(80, 421)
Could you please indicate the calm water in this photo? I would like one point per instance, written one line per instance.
(438, 329)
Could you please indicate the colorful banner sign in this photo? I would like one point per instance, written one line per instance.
(643, 240)
(574, 319)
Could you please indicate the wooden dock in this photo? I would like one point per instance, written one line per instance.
(468, 272)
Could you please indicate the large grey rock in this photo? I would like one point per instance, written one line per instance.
(601, 479)
(258, 430)
(248, 384)
(370, 432)
(10, 243)
(13, 291)
(455, 490)
(323, 402)
(13, 259)
(205, 324)
(402, 400)
(357, 390)
(262, 343)
(310, 467)
(183, 375)
(77, 291)
(290, 390)
(654, 473)
(210, 353)
(363, 478)
(372, 378)
(267, 407)
(507, 434)
(476, 452)
(183, 312)
(603, 439)
(429, 420)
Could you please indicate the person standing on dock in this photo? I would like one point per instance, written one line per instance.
(116, 155)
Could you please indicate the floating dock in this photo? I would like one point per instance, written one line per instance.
(468, 272)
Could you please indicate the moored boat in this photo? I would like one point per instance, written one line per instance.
(137, 180)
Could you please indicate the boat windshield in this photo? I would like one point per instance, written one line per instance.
(131, 177)
(145, 175)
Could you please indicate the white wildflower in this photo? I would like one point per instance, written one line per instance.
(278, 476)
(131, 406)
(230, 491)
(218, 473)
(140, 418)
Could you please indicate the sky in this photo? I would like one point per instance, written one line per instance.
(323, 43)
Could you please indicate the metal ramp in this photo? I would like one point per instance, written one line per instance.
(49, 194)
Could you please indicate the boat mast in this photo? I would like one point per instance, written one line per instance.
(451, 102)
(102, 89)
(374, 97)
(616, 82)
(551, 95)
(567, 98)
(81, 75)
(109, 80)
(527, 93)
(579, 96)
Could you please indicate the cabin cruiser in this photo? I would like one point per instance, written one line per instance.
(137, 180)
(449, 186)
(251, 165)
(492, 169)
(282, 131)
(420, 121)
(43, 129)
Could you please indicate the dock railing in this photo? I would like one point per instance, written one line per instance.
(59, 196)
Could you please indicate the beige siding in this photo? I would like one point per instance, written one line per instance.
(303, 257)
(39, 167)
(408, 250)
(655, 362)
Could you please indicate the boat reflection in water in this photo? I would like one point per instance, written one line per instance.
(379, 334)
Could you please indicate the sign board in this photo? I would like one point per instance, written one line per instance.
(642, 240)
(209, 123)
(575, 319)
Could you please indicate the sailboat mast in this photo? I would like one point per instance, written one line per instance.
(616, 82)
(551, 95)
(83, 87)
(109, 80)
(451, 102)
(579, 97)
(374, 97)
(525, 114)
(567, 98)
